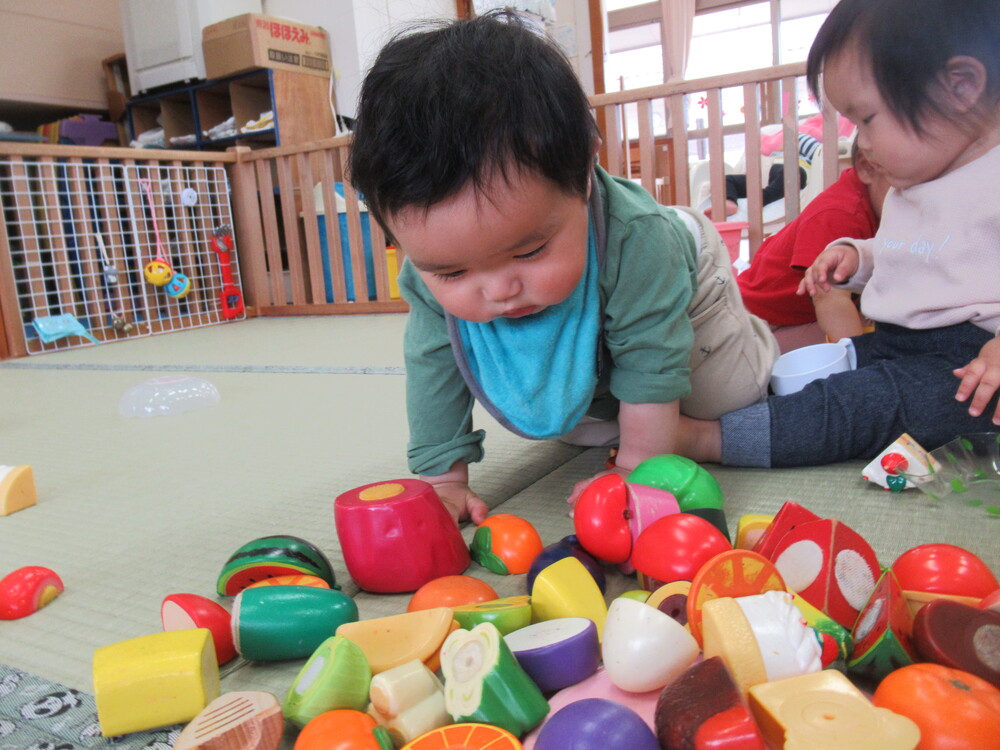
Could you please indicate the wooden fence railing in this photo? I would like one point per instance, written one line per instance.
(304, 243)
(307, 244)
(661, 160)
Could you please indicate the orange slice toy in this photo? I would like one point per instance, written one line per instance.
(468, 736)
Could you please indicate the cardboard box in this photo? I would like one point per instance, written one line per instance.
(254, 41)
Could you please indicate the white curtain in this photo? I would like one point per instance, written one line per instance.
(675, 35)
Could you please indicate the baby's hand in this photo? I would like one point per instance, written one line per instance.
(462, 503)
(838, 263)
(981, 375)
(580, 486)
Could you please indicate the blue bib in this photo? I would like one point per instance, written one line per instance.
(537, 374)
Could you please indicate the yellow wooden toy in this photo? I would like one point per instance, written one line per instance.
(824, 711)
(567, 589)
(154, 680)
(17, 489)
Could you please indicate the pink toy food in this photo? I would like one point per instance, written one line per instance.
(397, 535)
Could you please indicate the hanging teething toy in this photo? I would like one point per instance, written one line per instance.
(158, 271)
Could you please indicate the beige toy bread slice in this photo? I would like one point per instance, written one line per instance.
(248, 720)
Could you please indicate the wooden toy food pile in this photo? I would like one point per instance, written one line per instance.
(793, 637)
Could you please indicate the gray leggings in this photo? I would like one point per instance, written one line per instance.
(903, 383)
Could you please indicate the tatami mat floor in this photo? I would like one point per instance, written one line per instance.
(131, 510)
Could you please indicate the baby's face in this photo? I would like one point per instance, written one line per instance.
(904, 157)
(510, 253)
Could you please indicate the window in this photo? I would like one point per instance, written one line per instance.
(723, 41)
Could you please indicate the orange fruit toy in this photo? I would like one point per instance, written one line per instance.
(451, 591)
(343, 729)
(468, 736)
(506, 544)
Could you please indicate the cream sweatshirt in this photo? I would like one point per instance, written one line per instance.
(935, 260)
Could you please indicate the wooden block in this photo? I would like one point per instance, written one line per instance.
(17, 489)
(248, 720)
(154, 680)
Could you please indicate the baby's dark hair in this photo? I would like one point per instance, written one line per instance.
(464, 101)
(909, 43)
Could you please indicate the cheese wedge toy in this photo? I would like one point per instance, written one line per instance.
(824, 711)
(17, 489)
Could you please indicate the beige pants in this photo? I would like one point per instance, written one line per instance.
(733, 351)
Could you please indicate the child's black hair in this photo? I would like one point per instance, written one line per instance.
(909, 43)
(461, 102)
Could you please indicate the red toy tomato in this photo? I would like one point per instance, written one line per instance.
(343, 729)
(674, 547)
(600, 519)
(944, 569)
(954, 709)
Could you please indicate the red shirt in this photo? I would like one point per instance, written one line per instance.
(768, 286)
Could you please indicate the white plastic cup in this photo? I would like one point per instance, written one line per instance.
(795, 369)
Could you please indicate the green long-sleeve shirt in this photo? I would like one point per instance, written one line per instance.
(647, 278)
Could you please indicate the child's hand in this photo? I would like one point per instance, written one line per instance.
(838, 263)
(981, 375)
(462, 503)
(580, 486)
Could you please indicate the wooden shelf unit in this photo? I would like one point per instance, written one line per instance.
(299, 102)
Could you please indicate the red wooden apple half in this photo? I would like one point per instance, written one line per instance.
(186, 611)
